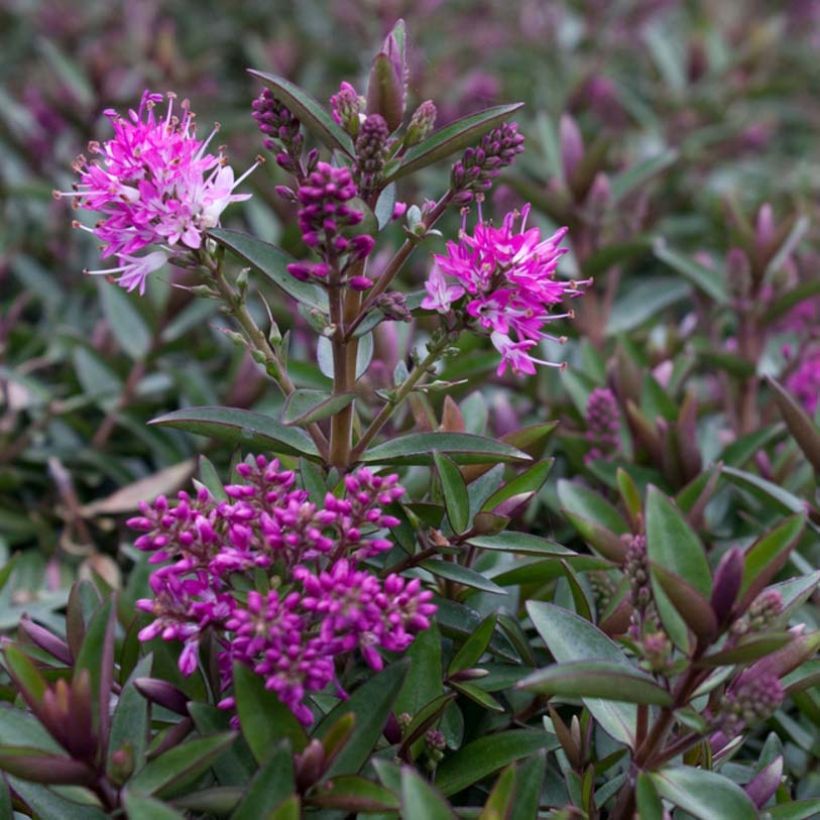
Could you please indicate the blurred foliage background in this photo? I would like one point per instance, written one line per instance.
(692, 113)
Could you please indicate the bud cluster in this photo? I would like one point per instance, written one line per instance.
(282, 130)
(603, 424)
(475, 171)
(324, 216)
(760, 615)
(755, 700)
(317, 604)
(371, 150)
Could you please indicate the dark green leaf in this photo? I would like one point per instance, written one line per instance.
(304, 407)
(371, 704)
(140, 807)
(129, 724)
(580, 500)
(502, 798)
(419, 800)
(797, 810)
(463, 448)
(46, 804)
(597, 679)
(645, 301)
(741, 450)
(672, 543)
(461, 575)
(124, 320)
(530, 481)
(456, 501)
(263, 718)
(423, 679)
(353, 794)
(539, 572)
(452, 138)
(180, 766)
(803, 429)
(768, 555)
(703, 794)
(570, 638)
(649, 804)
(474, 647)
(272, 784)
(765, 491)
(477, 695)
(520, 542)
(694, 608)
(626, 182)
(748, 649)
(308, 111)
(486, 755)
(96, 656)
(711, 282)
(240, 427)
(272, 262)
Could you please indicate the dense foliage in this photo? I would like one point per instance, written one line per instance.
(418, 452)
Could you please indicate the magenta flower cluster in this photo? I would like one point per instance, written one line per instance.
(317, 604)
(325, 217)
(155, 185)
(804, 381)
(505, 280)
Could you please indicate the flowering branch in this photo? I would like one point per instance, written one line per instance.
(407, 386)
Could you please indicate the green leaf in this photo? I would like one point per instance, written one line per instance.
(539, 572)
(140, 807)
(748, 649)
(570, 638)
(287, 810)
(597, 679)
(125, 321)
(644, 302)
(422, 682)
(464, 448)
(272, 784)
(304, 407)
(579, 500)
(520, 542)
(502, 798)
(26, 675)
(352, 794)
(768, 555)
(371, 704)
(765, 491)
(456, 500)
(649, 804)
(129, 723)
(263, 719)
(627, 181)
(419, 800)
(694, 608)
(529, 782)
(46, 804)
(803, 429)
(486, 755)
(477, 695)
(711, 282)
(272, 262)
(180, 766)
(703, 793)
(459, 134)
(530, 481)
(233, 768)
(741, 450)
(797, 810)
(96, 655)
(241, 428)
(672, 543)
(474, 647)
(615, 253)
(801, 225)
(364, 355)
(461, 575)
(308, 111)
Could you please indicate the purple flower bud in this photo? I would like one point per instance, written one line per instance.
(764, 784)
(421, 123)
(572, 146)
(726, 585)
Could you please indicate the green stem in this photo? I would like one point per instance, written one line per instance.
(383, 416)
(256, 339)
(396, 264)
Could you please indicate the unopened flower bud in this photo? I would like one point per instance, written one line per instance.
(572, 145)
(345, 106)
(163, 694)
(726, 584)
(371, 148)
(122, 764)
(309, 765)
(421, 123)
